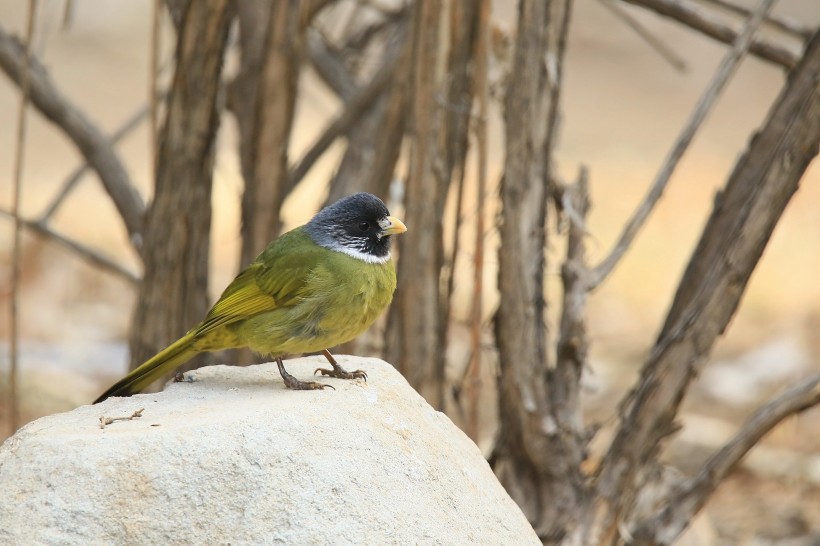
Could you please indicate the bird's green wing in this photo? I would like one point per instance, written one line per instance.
(276, 279)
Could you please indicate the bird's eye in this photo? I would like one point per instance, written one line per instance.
(364, 226)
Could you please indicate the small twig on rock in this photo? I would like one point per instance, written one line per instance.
(108, 420)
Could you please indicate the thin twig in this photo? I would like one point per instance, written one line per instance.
(74, 178)
(572, 346)
(108, 420)
(359, 40)
(84, 252)
(354, 109)
(697, 18)
(783, 24)
(725, 71)
(565, 386)
(796, 399)
(153, 103)
(25, 84)
(646, 35)
(686, 501)
(482, 93)
(329, 65)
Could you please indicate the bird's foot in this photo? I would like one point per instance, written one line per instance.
(179, 377)
(338, 371)
(341, 373)
(293, 383)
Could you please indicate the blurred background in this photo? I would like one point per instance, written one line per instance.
(622, 107)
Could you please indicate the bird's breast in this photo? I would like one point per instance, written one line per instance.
(358, 295)
(341, 298)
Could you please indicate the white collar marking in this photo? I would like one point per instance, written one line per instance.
(359, 255)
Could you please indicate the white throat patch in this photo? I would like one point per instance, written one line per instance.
(359, 255)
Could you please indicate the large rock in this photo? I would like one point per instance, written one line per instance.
(234, 457)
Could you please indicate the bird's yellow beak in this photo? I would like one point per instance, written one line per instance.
(392, 226)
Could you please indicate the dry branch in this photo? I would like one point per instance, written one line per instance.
(573, 344)
(703, 21)
(241, 95)
(174, 294)
(660, 46)
(272, 76)
(719, 80)
(330, 66)
(88, 254)
(481, 92)
(359, 40)
(153, 75)
(536, 457)
(730, 247)
(414, 329)
(565, 384)
(673, 518)
(354, 109)
(75, 176)
(92, 143)
(784, 24)
(374, 146)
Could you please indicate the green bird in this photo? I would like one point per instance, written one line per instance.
(316, 286)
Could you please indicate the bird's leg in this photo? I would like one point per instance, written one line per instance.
(293, 383)
(338, 371)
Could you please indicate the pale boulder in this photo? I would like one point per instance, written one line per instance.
(234, 457)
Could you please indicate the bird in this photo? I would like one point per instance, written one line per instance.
(316, 286)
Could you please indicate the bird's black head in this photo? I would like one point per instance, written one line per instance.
(358, 225)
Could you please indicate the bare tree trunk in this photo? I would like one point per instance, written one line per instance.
(536, 457)
(464, 34)
(465, 30)
(414, 337)
(253, 17)
(173, 295)
(266, 168)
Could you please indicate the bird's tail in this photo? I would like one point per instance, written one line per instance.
(152, 369)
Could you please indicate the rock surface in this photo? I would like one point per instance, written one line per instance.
(234, 457)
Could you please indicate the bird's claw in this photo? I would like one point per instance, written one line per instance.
(341, 373)
(293, 383)
(307, 385)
